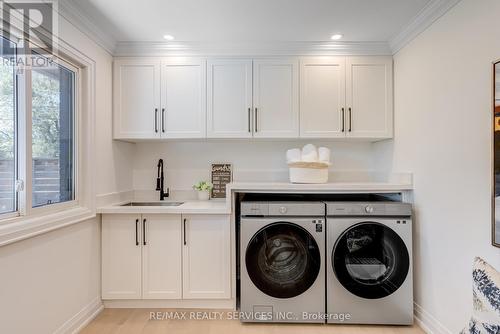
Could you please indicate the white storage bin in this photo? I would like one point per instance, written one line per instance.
(308, 172)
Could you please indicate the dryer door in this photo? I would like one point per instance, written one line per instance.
(370, 260)
(283, 260)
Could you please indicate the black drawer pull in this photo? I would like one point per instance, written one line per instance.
(136, 232)
(156, 120)
(343, 120)
(163, 120)
(185, 242)
(249, 120)
(256, 120)
(350, 119)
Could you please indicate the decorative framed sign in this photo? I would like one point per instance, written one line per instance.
(495, 226)
(222, 174)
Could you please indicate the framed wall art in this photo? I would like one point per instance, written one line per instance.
(495, 228)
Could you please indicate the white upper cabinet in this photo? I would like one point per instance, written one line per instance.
(183, 98)
(322, 97)
(136, 88)
(276, 98)
(369, 97)
(318, 97)
(229, 99)
(161, 257)
(206, 257)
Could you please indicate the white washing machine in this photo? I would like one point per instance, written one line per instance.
(369, 263)
(282, 262)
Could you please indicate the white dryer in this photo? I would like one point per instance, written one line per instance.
(369, 263)
(282, 261)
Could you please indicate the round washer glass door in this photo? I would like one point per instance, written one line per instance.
(370, 260)
(283, 260)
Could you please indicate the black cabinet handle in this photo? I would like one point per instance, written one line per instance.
(163, 120)
(256, 120)
(185, 242)
(350, 119)
(144, 231)
(249, 120)
(156, 120)
(136, 232)
(343, 120)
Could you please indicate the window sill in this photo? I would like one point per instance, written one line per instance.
(23, 228)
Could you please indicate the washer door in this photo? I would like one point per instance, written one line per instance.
(370, 260)
(283, 260)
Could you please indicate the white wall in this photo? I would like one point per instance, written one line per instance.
(259, 160)
(113, 168)
(47, 280)
(443, 115)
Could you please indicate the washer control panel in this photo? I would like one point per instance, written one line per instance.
(277, 209)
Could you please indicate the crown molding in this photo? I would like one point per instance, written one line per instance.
(425, 18)
(79, 17)
(125, 49)
(73, 12)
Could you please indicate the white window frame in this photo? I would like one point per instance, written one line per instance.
(19, 165)
(27, 221)
(24, 156)
(29, 209)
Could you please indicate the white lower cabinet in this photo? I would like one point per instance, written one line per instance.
(166, 256)
(121, 257)
(206, 257)
(161, 257)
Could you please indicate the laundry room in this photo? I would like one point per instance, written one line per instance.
(188, 166)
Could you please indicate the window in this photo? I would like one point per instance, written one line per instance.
(37, 110)
(52, 134)
(8, 147)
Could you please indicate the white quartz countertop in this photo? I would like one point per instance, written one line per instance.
(219, 206)
(188, 207)
(334, 187)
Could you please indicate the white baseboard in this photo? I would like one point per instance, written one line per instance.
(427, 322)
(229, 304)
(82, 318)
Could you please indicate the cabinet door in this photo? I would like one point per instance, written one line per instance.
(229, 99)
(322, 97)
(369, 97)
(276, 98)
(161, 257)
(183, 96)
(121, 257)
(136, 94)
(206, 257)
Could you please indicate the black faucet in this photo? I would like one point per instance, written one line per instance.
(160, 181)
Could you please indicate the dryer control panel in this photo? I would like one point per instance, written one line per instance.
(379, 209)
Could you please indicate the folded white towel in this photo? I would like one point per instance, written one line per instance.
(324, 154)
(309, 153)
(293, 155)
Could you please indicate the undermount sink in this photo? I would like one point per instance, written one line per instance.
(153, 204)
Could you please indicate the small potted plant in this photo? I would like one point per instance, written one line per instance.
(203, 188)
